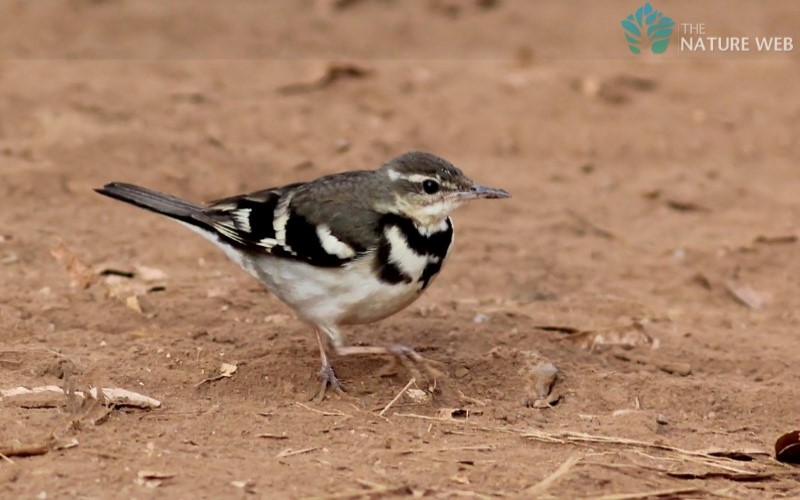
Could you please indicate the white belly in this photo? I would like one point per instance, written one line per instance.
(325, 296)
(333, 296)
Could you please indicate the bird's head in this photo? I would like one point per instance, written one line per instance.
(427, 188)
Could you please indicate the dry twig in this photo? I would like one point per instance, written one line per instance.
(671, 493)
(543, 485)
(580, 437)
(336, 413)
(479, 447)
(397, 397)
(24, 450)
(288, 452)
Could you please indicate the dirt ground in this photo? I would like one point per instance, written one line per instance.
(649, 251)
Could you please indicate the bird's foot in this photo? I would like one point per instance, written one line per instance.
(327, 379)
(412, 361)
(404, 355)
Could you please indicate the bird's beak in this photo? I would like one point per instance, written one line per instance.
(478, 191)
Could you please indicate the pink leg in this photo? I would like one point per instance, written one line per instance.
(326, 375)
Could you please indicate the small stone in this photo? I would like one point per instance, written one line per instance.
(480, 318)
(661, 419)
(342, 146)
(9, 258)
(248, 486)
(461, 372)
(545, 375)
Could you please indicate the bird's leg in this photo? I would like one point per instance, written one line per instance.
(326, 375)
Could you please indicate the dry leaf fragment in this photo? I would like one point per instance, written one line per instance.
(80, 275)
(17, 391)
(226, 370)
(152, 479)
(272, 436)
(745, 295)
(776, 240)
(123, 397)
(248, 486)
(685, 206)
(331, 74)
(560, 329)
(457, 413)
(787, 448)
(111, 395)
(24, 450)
(154, 474)
(133, 303)
(626, 338)
(113, 271)
(682, 369)
(64, 444)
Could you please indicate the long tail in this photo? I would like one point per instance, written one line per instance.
(152, 200)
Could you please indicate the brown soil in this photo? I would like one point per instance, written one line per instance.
(655, 202)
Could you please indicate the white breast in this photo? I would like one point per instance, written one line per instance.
(333, 296)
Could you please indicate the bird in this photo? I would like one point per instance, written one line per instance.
(348, 248)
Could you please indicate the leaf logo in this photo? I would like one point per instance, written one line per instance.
(647, 27)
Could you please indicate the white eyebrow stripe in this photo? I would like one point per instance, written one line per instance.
(420, 178)
(333, 245)
(395, 175)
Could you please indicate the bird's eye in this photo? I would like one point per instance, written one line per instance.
(430, 186)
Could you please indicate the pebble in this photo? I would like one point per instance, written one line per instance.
(545, 375)
(480, 318)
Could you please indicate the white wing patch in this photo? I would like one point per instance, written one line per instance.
(280, 220)
(268, 243)
(407, 260)
(242, 218)
(333, 245)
